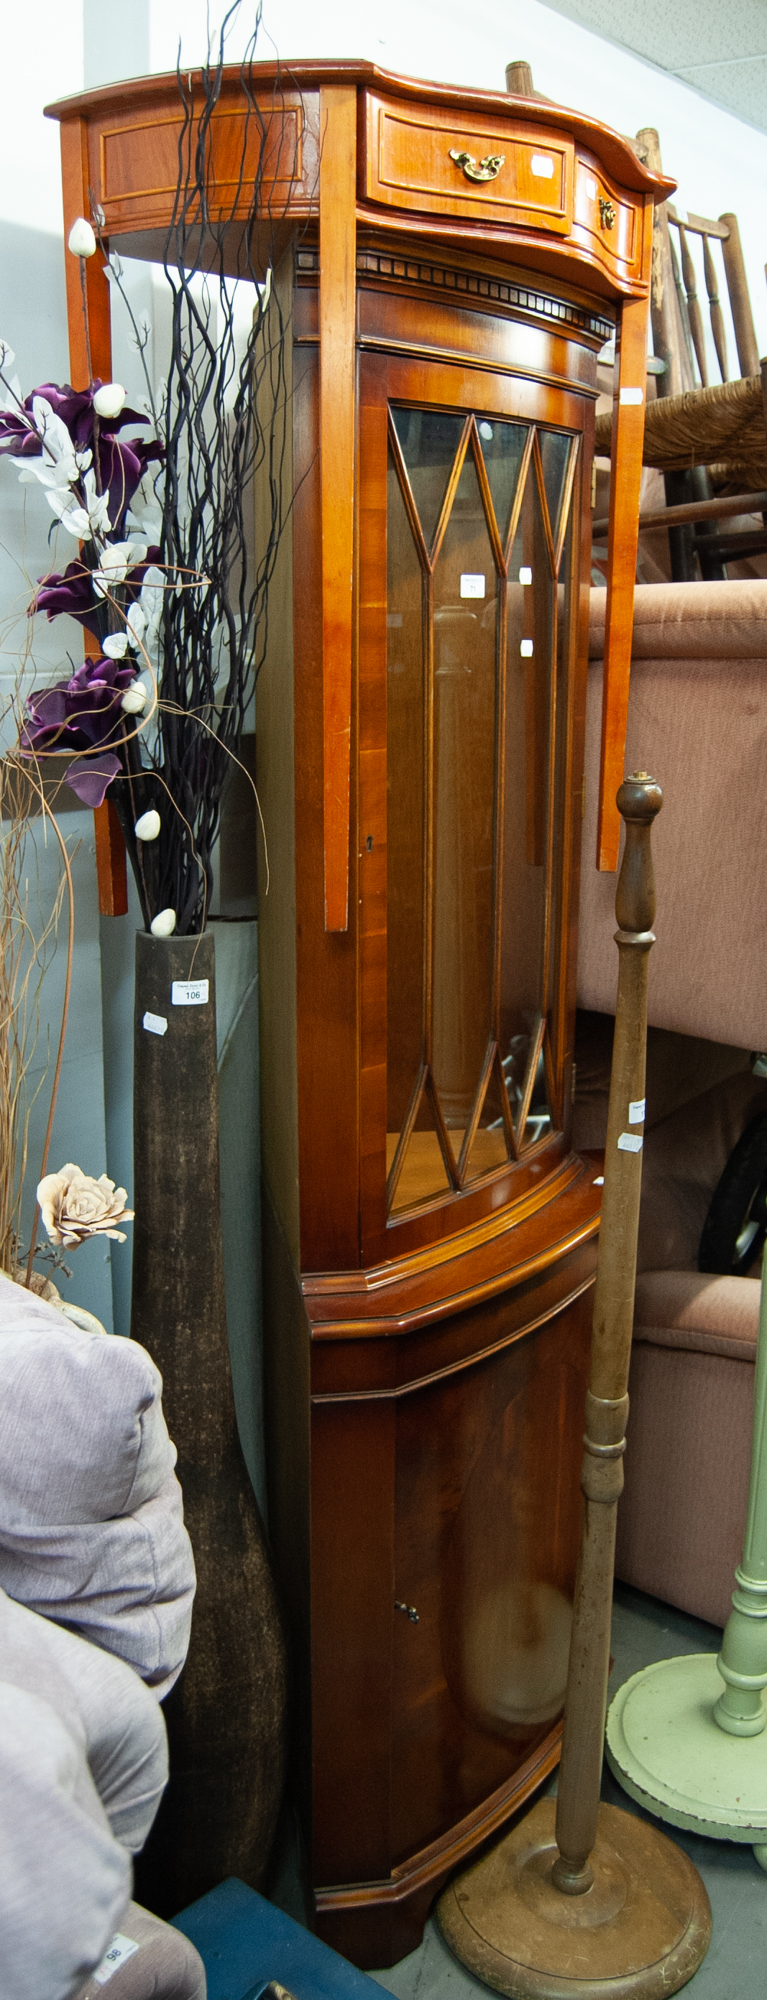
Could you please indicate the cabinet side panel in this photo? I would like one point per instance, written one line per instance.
(276, 786)
(286, 1409)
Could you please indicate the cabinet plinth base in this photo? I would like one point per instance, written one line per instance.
(641, 1931)
(375, 1924)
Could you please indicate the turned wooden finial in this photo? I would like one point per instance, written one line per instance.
(519, 80)
(639, 799)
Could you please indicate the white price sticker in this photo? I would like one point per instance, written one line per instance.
(155, 1024)
(636, 1111)
(525, 574)
(630, 1142)
(120, 1949)
(635, 396)
(471, 585)
(190, 992)
(542, 165)
(526, 648)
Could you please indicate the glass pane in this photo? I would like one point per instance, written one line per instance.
(529, 641)
(405, 808)
(489, 1148)
(555, 454)
(465, 618)
(502, 449)
(538, 1121)
(423, 1172)
(566, 601)
(429, 440)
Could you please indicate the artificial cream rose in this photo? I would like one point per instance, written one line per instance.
(73, 1206)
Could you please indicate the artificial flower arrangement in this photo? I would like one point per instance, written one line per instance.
(165, 564)
(95, 483)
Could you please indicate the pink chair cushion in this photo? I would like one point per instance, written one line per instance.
(691, 1388)
(698, 721)
(687, 1310)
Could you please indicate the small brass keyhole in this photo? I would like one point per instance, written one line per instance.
(409, 1610)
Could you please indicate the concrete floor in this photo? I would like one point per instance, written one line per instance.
(736, 1965)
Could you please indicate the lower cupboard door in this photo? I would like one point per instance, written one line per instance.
(487, 1515)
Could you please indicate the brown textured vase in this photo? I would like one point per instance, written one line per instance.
(226, 1714)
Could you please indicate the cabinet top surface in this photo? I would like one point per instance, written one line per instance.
(136, 97)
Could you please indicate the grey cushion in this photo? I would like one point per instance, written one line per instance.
(109, 1714)
(83, 1764)
(91, 1518)
(64, 1879)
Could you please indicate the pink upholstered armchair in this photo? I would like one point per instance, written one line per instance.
(698, 721)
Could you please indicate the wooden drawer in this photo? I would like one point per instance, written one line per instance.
(605, 220)
(136, 169)
(408, 165)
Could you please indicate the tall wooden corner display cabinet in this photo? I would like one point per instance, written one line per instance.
(448, 265)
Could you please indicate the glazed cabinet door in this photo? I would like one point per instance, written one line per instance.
(468, 532)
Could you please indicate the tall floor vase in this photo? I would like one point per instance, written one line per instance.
(226, 1714)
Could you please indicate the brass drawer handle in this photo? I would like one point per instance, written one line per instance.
(479, 170)
(606, 212)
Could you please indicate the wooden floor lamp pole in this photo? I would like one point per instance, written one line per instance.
(607, 1400)
(580, 1898)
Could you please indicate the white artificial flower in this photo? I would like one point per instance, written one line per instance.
(40, 471)
(152, 593)
(57, 465)
(109, 399)
(116, 646)
(7, 356)
(97, 505)
(135, 698)
(136, 626)
(114, 267)
(144, 510)
(71, 515)
(13, 396)
(148, 827)
(74, 1206)
(164, 924)
(114, 562)
(81, 240)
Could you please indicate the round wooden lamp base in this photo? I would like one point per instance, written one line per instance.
(641, 1930)
(666, 1749)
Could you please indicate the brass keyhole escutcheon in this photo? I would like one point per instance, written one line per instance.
(606, 212)
(409, 1610)
(479, 170)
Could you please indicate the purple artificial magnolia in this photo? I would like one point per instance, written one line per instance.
(85, 715)
(118, 464)
(71, 590)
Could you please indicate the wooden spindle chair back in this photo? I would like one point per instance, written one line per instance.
(723, 232)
